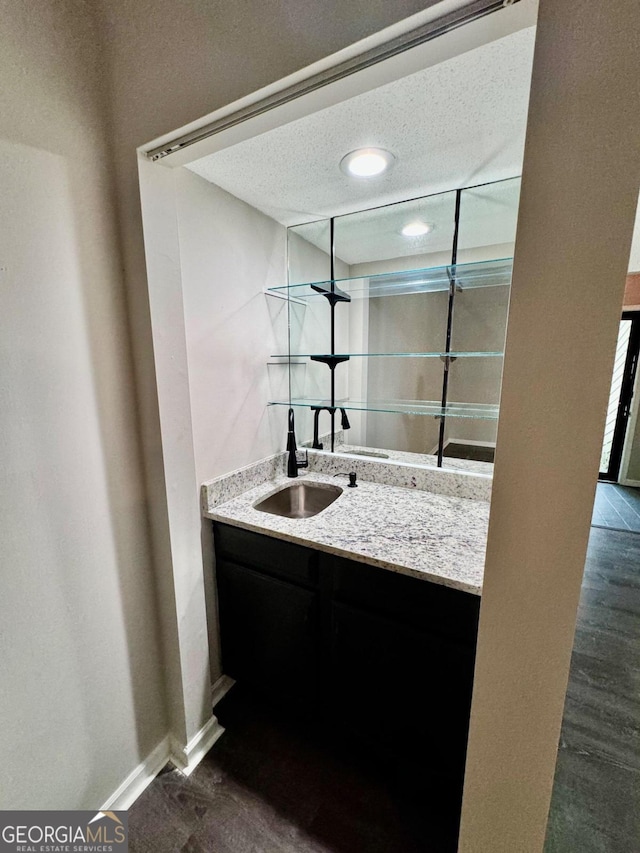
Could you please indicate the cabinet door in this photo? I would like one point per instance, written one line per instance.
(401, 689)
(268, 631)
(267, 555)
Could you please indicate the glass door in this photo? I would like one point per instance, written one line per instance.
(624, 371)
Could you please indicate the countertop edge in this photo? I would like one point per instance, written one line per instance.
(397, 568)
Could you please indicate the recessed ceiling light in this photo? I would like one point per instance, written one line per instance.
(366, 162)
(416, 229)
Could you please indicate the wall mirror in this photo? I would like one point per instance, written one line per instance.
(397, 323)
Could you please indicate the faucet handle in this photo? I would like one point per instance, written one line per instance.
(302, 458)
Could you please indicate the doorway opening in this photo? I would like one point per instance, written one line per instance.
(229, 419)
(621, 397)
(218, 256)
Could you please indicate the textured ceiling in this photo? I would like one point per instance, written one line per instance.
(487, 218)
(456, 124)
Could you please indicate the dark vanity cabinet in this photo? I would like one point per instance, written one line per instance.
(269, 610)
(386, 658)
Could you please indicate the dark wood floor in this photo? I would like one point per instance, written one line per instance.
(596, 797)
(275, 787)
(267, 787)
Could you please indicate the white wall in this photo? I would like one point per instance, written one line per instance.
(634, 255)
(580, 178)
(165, 70)
(412, 323)
(229, 253)
(168, 69)
(182, 592)
(633, 464)
(81, 682)
(311, 333)
(417, 323)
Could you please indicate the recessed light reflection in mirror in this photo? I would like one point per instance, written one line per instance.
(417, 229)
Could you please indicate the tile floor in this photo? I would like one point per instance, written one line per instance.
(596, 797)
(616, 507)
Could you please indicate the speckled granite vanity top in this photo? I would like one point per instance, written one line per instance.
(436, 537)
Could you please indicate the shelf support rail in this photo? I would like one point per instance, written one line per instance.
(451, 271)
(332, 302)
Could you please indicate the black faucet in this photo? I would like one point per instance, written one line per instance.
(293, 463)
(317, 444)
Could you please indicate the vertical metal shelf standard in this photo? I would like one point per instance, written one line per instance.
(447, 359)
(333, 296)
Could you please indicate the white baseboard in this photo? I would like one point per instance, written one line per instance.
(139, 778)
(187, 758)
(634, 483)
(220, 689)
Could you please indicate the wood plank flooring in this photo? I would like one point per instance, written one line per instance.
(272, 787)
(596, 797)
(269, 787)
(617, 507)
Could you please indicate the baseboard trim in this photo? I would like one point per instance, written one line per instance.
(140, 778)
(220, 689)
(187, 758)
(634, 483)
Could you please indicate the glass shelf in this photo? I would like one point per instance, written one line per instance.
(495, 273)
(433, 408)
(394, 355)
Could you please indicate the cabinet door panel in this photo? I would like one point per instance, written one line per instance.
(423, 605)
(405, 690)
(272, 556)
(268, 632)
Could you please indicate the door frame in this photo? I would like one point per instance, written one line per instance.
(625, 403)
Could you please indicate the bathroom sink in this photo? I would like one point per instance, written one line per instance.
(300, 500)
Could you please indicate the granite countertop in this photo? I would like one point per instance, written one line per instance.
(431, 536)
(427, 459)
